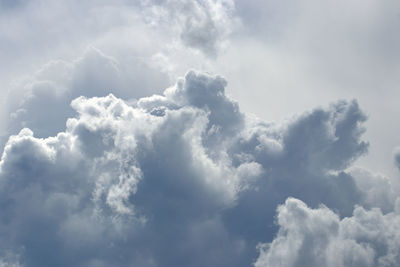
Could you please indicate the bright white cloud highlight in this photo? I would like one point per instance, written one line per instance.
(318, 237)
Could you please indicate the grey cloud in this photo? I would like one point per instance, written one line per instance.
(185, 178)
(11, 3)
(300, 159)
(128, 30)
(167, 179)
(330, 139)
(118, 175)
(397, 157)
(377, 190)
(339, 34)
(318, 237)
(311, 52)
(42, 102)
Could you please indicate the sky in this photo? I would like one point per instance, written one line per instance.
(199, 133)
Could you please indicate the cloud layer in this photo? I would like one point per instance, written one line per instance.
(167, 179)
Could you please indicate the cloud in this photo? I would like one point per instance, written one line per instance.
(397, 157)
(116, 171)
(318, 237)
(148, 39)
(202, 24)
(42, 101)
(309, 53)
(377, 190)
(89, 178)
(169, 178)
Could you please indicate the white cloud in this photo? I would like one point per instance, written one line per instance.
(201, 24)
(318, 237)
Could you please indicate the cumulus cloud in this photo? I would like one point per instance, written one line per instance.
(42, 101)
(318, 237)
(123, 174)
(149, 39)
(97, 171)
(167, 179)
(201, 24)
(305, 53)
(377, 190)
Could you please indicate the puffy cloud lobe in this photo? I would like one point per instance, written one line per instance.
(167, 179)
(42, 102)
(318, 237)
(201, 24)
(334, 130)
(377, 190)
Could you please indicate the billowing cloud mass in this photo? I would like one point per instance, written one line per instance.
(168, 179)
(109, 157)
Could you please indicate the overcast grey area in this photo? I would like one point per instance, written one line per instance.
(199, 133)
